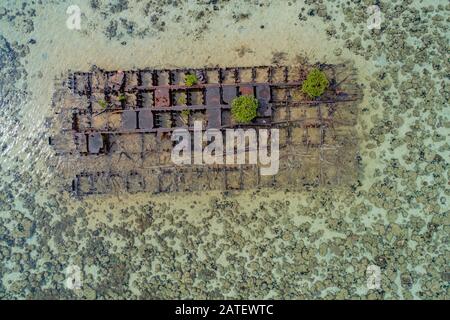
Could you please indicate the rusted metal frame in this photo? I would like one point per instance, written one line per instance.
(109, 155)
(178, 176)
(241, 177)
(236, 75)
(139, 100)
(108, 179)
(204, 70)
(298, 103)
(142, 150)
(71, 82)
(158, 174)
(171, 108)
(224, 182)
(226, 179)
(87, 87)
(158, 145)
(208, 171)
(289, 135)
(162, 175)
(152, 73)
(269, 125)
(157, 74)
(258, 169)
(188, 93)
(76, 188)
(232, 169)
(216, 68)
(125, 87)
(172, 75)
(108, 75)
(89, 96)
(334, 79)
(258, 173)
(270, 74)
(195, 172)
(91, 184)
(208, 85)
(314, 125)
(288, 112)
(141, 182)
(321, 156)
(112, 175)
(253, 74)
(185, 91)
(288, 106)
(286, 74)
(127, 182)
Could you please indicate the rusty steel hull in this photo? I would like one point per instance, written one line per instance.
(112, 130)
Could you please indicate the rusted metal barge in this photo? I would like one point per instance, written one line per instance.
(112, 129)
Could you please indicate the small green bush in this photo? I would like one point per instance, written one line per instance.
(185, 113)
(182, 99)
(122, 97)
(243, 108)
(191, 79)
(102, 103)
(315, 84)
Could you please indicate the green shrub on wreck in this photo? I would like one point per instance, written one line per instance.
(315, 84)
(190, 80)
(243, 108)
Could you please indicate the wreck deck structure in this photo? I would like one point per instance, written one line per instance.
(112, 129)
